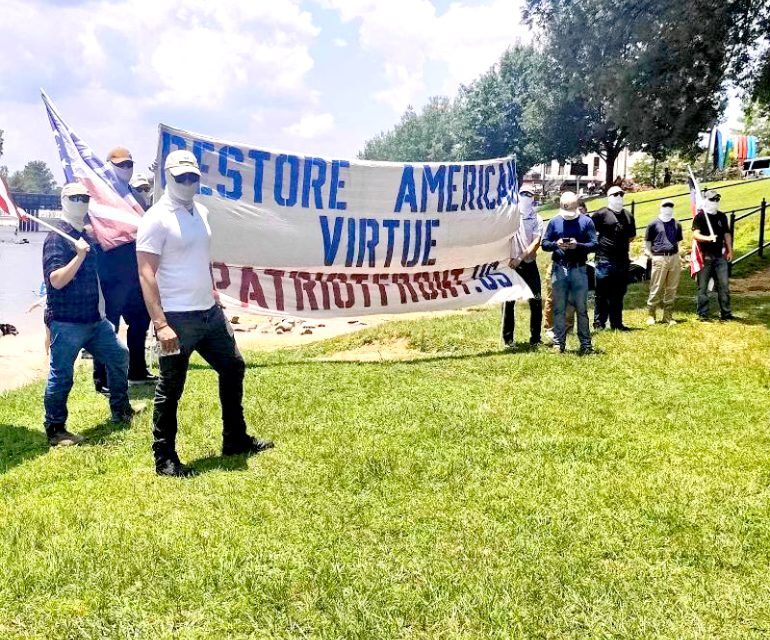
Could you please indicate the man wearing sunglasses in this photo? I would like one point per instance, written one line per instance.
(74, 320)
(615, 228)
(712, 231)
(141, 186)
(173, 249)
(119, 279)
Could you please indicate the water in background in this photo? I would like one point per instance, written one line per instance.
(21, 274)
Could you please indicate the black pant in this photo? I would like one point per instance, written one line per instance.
(611, 287)
(530, 274)
(124, 299)
(210, 334)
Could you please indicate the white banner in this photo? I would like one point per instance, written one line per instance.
(314, 237)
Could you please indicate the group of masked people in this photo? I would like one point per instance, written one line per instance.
(573, 234)
(163, 279)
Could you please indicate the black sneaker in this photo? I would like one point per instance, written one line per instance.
(64, 438)
(599, 327)
(622, 327)
(127, 415)
(100, 388)
(586, 351)
(535, 342)
(728, 316)
(249, 445)
(174, 469)
(508, 341)
(145, 378)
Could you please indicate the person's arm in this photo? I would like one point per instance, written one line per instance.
(62, 276)
(648, 240)
(632, 230)
(697, 232)
(590, 242)
(217, 299)
(549, 244)
(728, 247)
(148, 269)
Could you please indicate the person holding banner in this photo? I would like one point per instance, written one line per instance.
(173, 249)
(524, 248)
(73, 317)
(570, 237)
(711, 230)
(119, 279)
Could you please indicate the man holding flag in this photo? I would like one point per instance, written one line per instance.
(711, 232)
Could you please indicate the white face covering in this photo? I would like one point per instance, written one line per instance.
(710, 207)
(666, 214)
(74, 213)
(181, 194)
(527, 205)
(615, 203)
(569, 215)
(123, 174)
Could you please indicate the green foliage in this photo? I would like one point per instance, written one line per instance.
(642, 169)
(35, 177)
(756, 122)
(469, 492)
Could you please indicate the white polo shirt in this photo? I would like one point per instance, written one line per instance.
(183, 242)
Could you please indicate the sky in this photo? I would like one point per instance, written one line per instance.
(310, 76)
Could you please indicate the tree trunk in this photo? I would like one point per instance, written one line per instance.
(611, 155)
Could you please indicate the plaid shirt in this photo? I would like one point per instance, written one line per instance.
(79, 300)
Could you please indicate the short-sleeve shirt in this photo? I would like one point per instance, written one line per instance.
(720, 227)
(615, 229)
(78, 301)
(664, 237)
(182, 239)
(530, 228)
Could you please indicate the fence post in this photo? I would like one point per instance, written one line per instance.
(633, 207)
(732, 226)
(762, 210)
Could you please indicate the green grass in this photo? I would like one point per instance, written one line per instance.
(475, 493)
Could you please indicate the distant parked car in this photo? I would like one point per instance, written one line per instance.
(756, 168)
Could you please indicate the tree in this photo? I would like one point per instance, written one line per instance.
(756, 122)
(35, 177)
(429, 136)
(1, 142)
(647, 74)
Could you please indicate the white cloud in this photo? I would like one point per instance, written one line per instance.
(408, 34)
(311, 126)
(340, 42)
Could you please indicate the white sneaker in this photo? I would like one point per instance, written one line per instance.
(651, 320)
(672, 322)
(550, 335)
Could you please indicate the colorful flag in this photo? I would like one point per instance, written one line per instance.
(113, 210)
(7, 206)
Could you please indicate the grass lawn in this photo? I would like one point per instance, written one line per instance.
(469, 492)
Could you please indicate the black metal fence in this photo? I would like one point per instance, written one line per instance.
(33, 204)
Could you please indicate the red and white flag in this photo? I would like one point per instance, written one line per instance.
(7, 206)
(696, 256)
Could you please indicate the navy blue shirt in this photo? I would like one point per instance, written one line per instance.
(581, 229)
(664, 237)
(78, 301)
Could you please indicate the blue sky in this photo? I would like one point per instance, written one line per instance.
(311, 76)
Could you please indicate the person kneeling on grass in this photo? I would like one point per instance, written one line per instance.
(74, 320)
(173, 251)
(570, 237)
(662, 240)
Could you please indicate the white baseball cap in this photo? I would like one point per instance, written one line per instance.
(139, 180)
(568, 197)
(179, 162)
(74, 189)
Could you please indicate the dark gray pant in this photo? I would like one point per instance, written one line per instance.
(209, 333)
(530, 274)
(719, 269)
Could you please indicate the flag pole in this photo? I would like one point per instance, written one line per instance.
(49, 226)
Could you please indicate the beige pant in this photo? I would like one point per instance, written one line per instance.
(664, 280)
(548, 308)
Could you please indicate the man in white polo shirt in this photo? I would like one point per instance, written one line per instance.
(173, 250)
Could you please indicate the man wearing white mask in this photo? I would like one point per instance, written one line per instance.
(570, 237)
(712, 231)
(173, 249)
(524, 248)
(615, 228)
(141, 186)
(119, 279)
(662, 240)
(74, 320)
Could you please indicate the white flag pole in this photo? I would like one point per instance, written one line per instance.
(699, 200)
(47, 225)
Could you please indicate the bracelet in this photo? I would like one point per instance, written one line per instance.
(158, 327)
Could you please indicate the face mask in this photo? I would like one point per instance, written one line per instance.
(124, 175)
(666, 214)
(527, 204)
(615, 203)
(569, 215)
(710, 207)
(74, 213)
(181, 194)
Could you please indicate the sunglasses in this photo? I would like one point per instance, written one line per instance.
(715, 199)
(186, 178)
(619, 193)
(143, 189)
(126, 164)
(80, 198)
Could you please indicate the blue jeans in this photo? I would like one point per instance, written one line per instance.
(570, 285)
(719, 269)
(99, 339)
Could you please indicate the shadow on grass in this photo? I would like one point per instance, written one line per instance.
(220, 463)
(100, 433)
(19, 444)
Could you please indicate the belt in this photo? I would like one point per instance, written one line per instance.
(569, 265)
(665, 253)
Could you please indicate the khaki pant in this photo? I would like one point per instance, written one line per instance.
(548, 307)
(664, 280)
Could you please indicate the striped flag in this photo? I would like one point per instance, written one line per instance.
(113, 210)
(696, 257)
(7, 205)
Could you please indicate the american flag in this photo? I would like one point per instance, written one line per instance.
(7, 205)
(113, 210)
